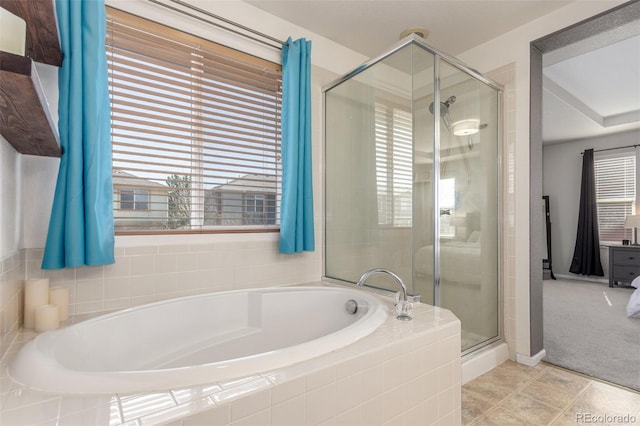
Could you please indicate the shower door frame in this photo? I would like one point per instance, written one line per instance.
(454, 62)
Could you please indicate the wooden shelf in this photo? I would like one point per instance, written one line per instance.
(42, 44)
(25, 121)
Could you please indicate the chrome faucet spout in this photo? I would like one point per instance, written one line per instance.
(404, 306)
(366, 275)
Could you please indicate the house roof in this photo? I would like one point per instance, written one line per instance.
(122, 178)
(249, 183)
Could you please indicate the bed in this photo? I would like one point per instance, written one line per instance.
(633, 307)
(460, 261)
(460, 258)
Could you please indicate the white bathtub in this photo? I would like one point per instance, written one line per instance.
(196, 340)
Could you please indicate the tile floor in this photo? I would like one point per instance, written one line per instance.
(514, 394)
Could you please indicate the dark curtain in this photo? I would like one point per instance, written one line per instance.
(586, 255)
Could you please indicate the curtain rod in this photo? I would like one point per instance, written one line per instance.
(225, 20)
(611, 149)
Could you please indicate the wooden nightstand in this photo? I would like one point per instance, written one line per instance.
(624, 264)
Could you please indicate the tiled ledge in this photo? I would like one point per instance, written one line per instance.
(403, 373)
(149, 273)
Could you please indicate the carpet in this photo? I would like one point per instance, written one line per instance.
(586, 329)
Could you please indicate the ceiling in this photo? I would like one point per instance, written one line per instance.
(594, 93)
(371, 27)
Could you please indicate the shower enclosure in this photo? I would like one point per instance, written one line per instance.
(412, 182)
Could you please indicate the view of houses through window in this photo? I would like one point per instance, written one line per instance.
(195, 131)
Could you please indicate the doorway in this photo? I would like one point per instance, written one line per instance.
(604, 29)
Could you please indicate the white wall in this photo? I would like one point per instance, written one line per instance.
(39, 174)
(12, 268)
(514, 47)
(562, 169)
(10, 199)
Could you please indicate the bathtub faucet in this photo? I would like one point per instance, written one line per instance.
(403, 307)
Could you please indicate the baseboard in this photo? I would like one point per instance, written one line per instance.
(582, 278)
(483, 360)
(531, 361)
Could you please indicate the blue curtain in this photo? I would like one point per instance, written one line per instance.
(296, 209)
(81, 224)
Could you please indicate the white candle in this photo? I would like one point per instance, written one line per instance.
(36, 293)
(59, 296)
(47, 318)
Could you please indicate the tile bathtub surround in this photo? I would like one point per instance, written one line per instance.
(144, 274)
(11, 297)
(404, 373)
(545, 395)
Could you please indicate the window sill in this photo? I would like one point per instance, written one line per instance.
(198, 231)
(137, 240)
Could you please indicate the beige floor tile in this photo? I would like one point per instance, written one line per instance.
(513, 374)
(567, 418)
(554, 396)
(489, 389)
(531, 371)
(530, 409)
(502, 417)
(568, 382)
(513, 394)
(616, 392)
(602, 399)
(474, 406)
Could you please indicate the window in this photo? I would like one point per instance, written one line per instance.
(134, 199)
(394, 168)
(194, 124)
(260, 208)
(447, 196)
(126, 199)
(615, 195)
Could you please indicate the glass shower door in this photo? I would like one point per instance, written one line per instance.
(368, 172)
(468, 204)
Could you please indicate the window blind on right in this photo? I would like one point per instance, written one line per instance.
(615, 194)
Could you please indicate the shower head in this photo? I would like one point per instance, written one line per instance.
(444, 110)
(444, 106)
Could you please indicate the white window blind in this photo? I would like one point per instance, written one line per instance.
(615, 194)
(196, 126)
(394, 165)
